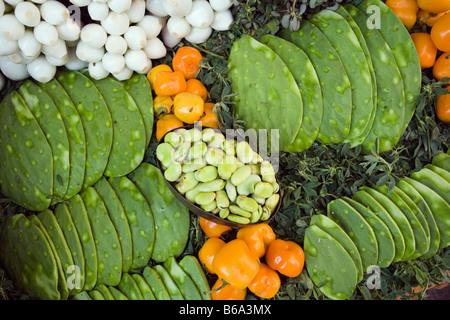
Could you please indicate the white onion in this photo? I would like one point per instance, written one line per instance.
(18, 57)
(13, 71)
(69, 31)
(135, 37)
(41, 70)
(222, 20)
(38, 1)
(46, 33)
(136, 60)
(155, 49)
(54, 12)
(123, 75)
(116, 23)
(116, 44)
(156, 7)
(177, 8)
(98, 10)
(13, 2)
(29, 46)
(74, 63)
(221, 5)
(28, 14)
(80, 3)
(113, 62)
(201, 14)
(57, 61)
(199, 35)
(119, 6)
(178, 27)
(11, 28)
(89, 54)
(94, 35)
(169, 40)
(97, 71)
(8, 46)
(136, 11)
(152, 26)
(58, 50)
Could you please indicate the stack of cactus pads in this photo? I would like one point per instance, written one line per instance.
(336, 80)
(60, 137)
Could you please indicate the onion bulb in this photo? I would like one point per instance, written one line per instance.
(11, 28)
(155, 49)
(97, 71)
(29, 46)
(116, 23)
(46, 33)
(199, 35)
(94, 35)
(137, 60)
(28, 14)
(116, 44)
(135, 37)
(177, 8)
(156, 7)
(151, 25)
(98, 10)
(221, 5)
(13, 71)
(222, 20)
(113, 62)
(54, 12)
(178, 27)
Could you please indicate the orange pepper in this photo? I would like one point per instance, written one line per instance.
(166, 123)
(208, 251)
(236, 264)
(286, 257)
(209, 118)
(187, 60)
(429, 18)
(212, 229)
(151, 76)
(169, 83)
(266, 284)
(162, 104)
(258, 237)
(406, 11)
(426, 49)
(219, 291)
(188, 107)
(197, 87)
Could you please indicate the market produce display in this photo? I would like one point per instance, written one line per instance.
(356, 106)
(377, 227)
(120, 178)
(80, 128)
(219, 174)
(108, 38)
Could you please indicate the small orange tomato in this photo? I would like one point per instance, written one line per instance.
(266, 284)
(227, 292)
(441, 68)
(429, 18)
(443, 107)
(440, 33)
(209, 118)
(208, 251)
(434, 6)
(197, 87)
(169, 83)
(286, 257)
(166, 123)
(162, 104)
(212, 229)
(151, 76)
(426, 49)
(187, 60)
(406, 11)
(188, 107)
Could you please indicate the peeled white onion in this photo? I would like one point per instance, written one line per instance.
(135, 37)
(89, 54)
(178, 27)
(69, 31)
(75, 63)
(152, 26)
(57, 61)
(221, 5)
(177, 8)
(29, 46)
(46, 33)
(123, 75)
(119, 6)
(169, 40)
(199, 35)
(155, 49)
(94, 35)
(97, 71)
(222, 20)
(58, 50)
(156, 7)
(201, 14)
(13, 71)
(137, 60)
(11, 28)
(28, 14)
(137, 11)
(54, 12)
(98, 10)
(8, 46)
(113, 62)
(116, 23)
(116, 44)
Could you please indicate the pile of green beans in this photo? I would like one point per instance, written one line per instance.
(220, 175)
